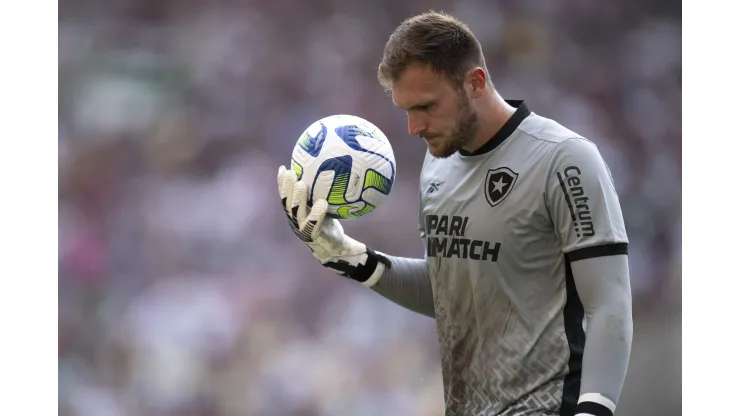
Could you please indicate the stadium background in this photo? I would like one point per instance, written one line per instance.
(182, 290)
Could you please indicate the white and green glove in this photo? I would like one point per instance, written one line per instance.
(325, 236)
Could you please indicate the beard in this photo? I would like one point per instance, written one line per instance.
(462, 133)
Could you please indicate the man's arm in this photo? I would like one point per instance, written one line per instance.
(587, 219)
(604, 289)
(406, 282)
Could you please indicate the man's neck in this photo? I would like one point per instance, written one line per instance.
(496, 112)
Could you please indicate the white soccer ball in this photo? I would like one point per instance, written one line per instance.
(348, 161)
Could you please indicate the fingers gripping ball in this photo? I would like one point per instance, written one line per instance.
(346, 161)
(305, 222)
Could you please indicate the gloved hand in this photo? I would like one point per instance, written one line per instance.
(325, 236)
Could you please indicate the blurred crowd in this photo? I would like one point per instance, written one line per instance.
(181, 288)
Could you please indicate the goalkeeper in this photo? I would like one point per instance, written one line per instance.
(526, 267)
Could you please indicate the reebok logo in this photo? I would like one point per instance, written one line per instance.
(580, 212)
(434, 186)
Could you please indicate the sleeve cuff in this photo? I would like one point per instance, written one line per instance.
(604, 250)
(595, 404)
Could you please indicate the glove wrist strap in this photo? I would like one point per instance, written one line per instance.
(369, 273)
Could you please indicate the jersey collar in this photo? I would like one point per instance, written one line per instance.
(522, 112)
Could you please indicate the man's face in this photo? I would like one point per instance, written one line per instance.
(437, 111)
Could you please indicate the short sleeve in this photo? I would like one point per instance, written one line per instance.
(583, 202)
(420, 219)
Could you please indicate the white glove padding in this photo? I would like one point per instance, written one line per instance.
(325, 236)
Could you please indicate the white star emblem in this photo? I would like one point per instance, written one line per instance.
(499, 185)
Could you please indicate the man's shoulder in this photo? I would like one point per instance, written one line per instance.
(545, 141)
(547, 131)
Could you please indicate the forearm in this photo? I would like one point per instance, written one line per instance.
(603, 284)
(406, 282)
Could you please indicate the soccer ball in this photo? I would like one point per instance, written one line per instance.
(348, 161)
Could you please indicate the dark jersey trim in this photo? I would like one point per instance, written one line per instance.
(522, 112)
(595, 409)
(605, 250)
(573, 320)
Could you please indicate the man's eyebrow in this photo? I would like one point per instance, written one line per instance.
(416, 107)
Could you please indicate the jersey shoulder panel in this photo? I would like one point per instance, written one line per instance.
(547, 130)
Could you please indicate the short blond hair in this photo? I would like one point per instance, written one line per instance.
(434, 38)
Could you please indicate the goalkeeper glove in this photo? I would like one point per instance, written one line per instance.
(325, 236)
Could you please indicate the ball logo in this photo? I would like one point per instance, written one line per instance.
(498, 185)
(312, 143)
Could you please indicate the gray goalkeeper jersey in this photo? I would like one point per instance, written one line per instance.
(501, 227)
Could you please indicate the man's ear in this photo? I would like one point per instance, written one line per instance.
(477, 79)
